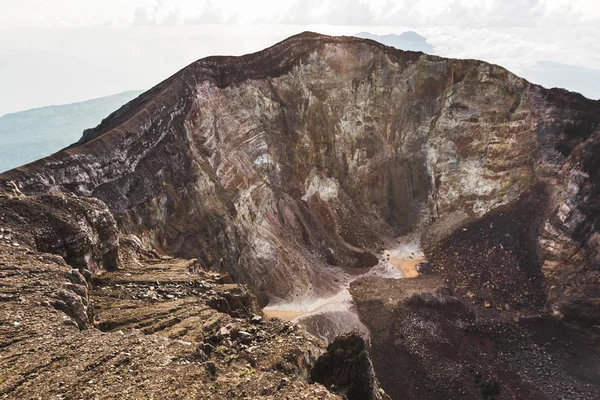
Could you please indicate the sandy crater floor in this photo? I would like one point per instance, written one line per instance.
(328, 317)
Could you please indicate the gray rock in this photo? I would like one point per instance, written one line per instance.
(256, 319)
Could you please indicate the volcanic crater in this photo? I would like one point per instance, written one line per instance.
(446, 210)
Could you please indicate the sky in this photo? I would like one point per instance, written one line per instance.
(62, 51)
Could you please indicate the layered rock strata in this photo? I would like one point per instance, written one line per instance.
(282, 165)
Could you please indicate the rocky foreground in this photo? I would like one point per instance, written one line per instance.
(156, 327)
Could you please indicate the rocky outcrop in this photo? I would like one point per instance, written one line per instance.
(346, 368)
(520, 260)
(80, 229)
(80, 233)
(495, 260)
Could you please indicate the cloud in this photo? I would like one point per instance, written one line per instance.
(143, 17)
(406, 41)
(549, 74)
(491, 13)
(168, 12)
(211, 15)
(415, 13)
(162, 12)
(517, 34)
(341, 12)
(517, 49)
(513, 33)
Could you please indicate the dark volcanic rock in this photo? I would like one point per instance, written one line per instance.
(237, 302)
(428, 343)
(346, 368)
(424, 268)
(495, 260)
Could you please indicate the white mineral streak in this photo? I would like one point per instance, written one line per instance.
(326, 188)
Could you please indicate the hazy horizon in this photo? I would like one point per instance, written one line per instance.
(68, 51)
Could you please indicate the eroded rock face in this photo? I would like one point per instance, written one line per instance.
(79, 232)
(286, 162)
(156, 326)
(282, 166)
(80, 229)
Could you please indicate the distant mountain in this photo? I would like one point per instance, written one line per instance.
(26, 136)
(550, 74)
(405, 41)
